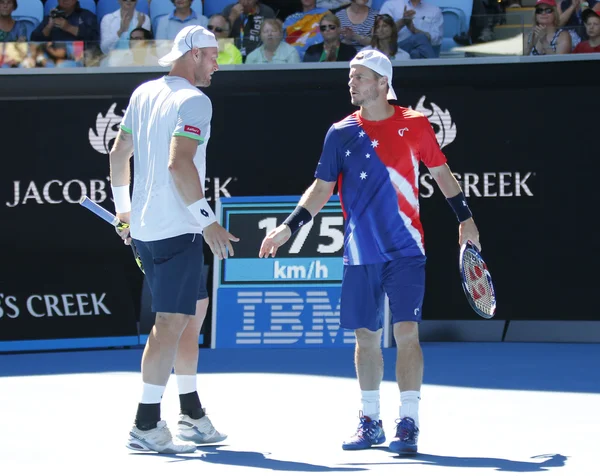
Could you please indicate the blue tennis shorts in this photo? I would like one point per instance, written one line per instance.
(364, 288)
(174, 270)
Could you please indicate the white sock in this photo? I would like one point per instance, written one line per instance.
(152, 393)
(370, 404)
(186, 384)
(410, 405)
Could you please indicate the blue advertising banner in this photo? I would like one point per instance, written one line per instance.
(290, 300)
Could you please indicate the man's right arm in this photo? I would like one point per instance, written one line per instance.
(192, 124)
(316, 196)
(187, 181)
(311, 203)
(182, 169)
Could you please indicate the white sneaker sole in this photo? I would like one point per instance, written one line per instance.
(199, 438)
(136, 444)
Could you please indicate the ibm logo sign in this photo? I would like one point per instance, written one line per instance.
(287, 310)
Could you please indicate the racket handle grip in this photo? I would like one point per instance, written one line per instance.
(99, 211)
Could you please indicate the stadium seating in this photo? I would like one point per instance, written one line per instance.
(212, 7)
(31, 12)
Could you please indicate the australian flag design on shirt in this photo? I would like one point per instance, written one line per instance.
(376, 165)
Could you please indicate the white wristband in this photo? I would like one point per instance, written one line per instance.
(121, 198)
(202, 213)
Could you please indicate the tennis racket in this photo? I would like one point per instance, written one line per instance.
(477, 281)
(113, 220)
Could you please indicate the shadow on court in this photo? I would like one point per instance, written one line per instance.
(248, 459)
(543, 464)
(515, 366)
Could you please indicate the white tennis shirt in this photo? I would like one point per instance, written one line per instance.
(157, 111)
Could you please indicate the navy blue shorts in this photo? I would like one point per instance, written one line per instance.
(174, 270)
(364, 288)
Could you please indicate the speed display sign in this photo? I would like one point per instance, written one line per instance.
(289, 300)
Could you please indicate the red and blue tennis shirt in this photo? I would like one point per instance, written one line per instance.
(376, 165)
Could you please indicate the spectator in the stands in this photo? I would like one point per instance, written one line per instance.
(331, 49)
(116, 27)
(485, 15)
(11, 29)
(67, 22)
(169, 25)
(228, 52)
(246, 17)
(302, 28)
(547, 38)
(385, 38)
(571, 15)
(420, 26)
(141, 52)
(273, 49)
(52, 54)
(357, 22)
(591, 20)
(143, 48)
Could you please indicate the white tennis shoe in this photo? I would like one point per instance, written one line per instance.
(158, 439)
(199, 431)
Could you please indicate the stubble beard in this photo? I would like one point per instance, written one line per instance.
(370, 96)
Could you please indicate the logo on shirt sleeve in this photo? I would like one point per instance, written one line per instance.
(192, 130)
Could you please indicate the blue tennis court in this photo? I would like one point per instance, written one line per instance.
(486, 407)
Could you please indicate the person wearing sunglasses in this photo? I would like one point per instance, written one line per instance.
(184, 15)
(141, 52)
(332, 48)
(546, 37)
(67, 22)
(219, 26)
(116, 27)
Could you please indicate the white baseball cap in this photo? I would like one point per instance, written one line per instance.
(194, 36)
(378, 62)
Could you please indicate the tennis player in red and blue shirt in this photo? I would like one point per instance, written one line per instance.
(373, 156)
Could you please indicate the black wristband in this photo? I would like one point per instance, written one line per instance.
(300, 216)
(460, 207)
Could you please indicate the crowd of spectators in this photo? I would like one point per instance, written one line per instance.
(272, 31)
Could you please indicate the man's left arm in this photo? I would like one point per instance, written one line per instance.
(435, 160)
(449, 186)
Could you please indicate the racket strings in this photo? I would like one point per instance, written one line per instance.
(478, 283)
